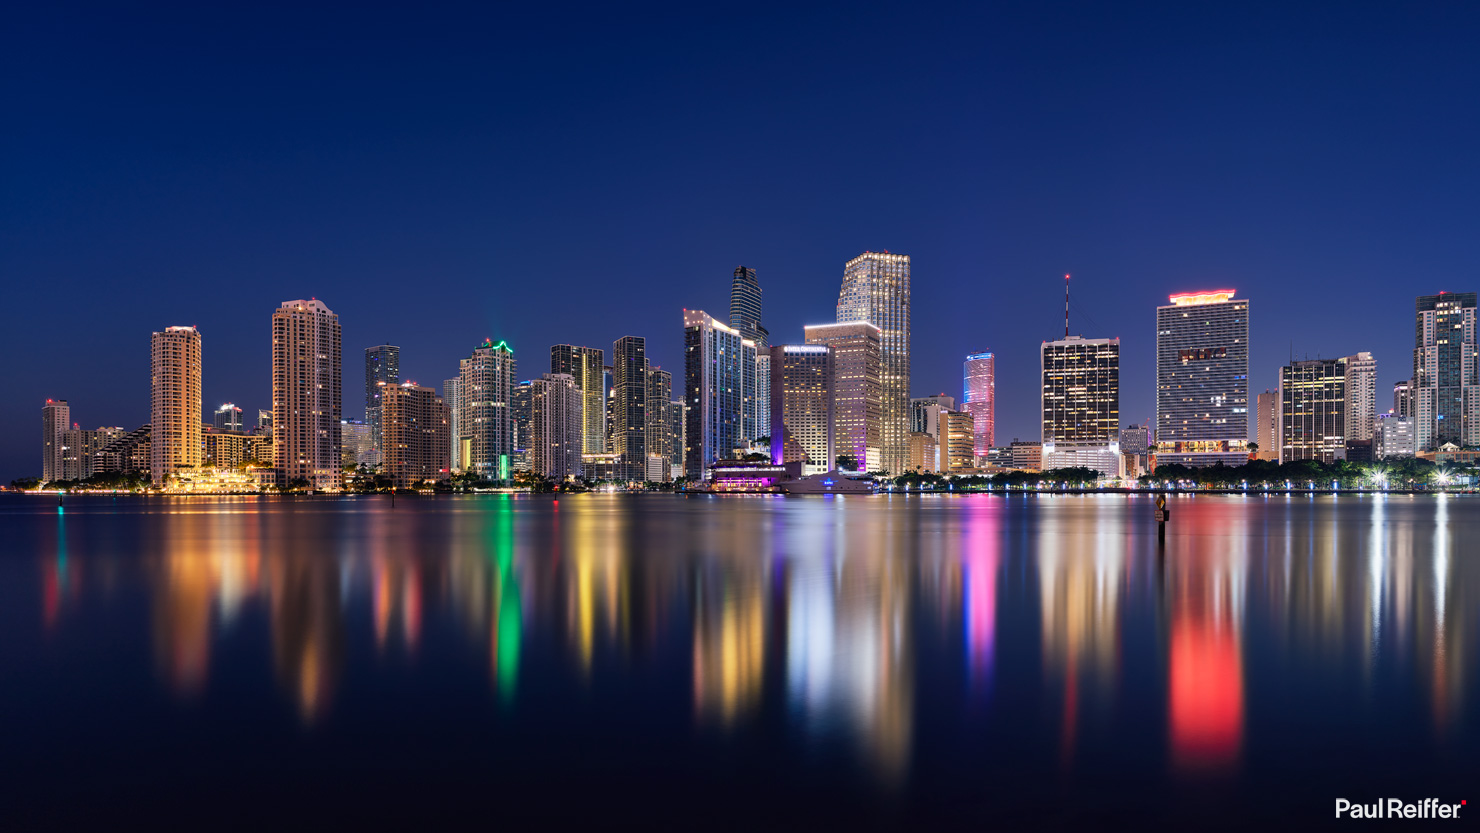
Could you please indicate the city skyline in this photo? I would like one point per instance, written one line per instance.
(1195, 205)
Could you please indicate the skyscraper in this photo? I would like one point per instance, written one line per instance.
(1202, 379)
(522, 405)
(1403, 399)
(1361, 405)
(1446, 371)
(415, 424)
(306, 394)
(713, 383)
(980, 398)
(629, 390)
(355, 447)
(452, 397)
(56, 417)
(957, 441)
(486, 419)
(857, 373)
(876, 288)
(1081, 404)
(228, 417)
(556, 426)
(1267, 424)
(382, 366)
(802, 406)
(745, 307)
(585, 365)
(658, 420)
(677, 422)
(174, 407)
(1313, 410)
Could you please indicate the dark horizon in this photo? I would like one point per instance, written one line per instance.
(564, 175)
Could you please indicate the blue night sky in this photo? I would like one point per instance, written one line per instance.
(552, 173)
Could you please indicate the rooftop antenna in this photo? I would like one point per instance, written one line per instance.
(1066, 306)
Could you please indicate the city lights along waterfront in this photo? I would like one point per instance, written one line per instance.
(880, 661)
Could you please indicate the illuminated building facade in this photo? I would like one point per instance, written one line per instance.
(1403, 399)
(415, 427)
(557, 427)
(677, 441)
(713, 391)
(980, 400)
(56, 417)
(174, 404)
(1081, 404)
(382, 367)
(745, 307)
(306, 394)
(1361, 405)
(1267, 425)
(876, 288)
(923, 454)
(1393, 437)
(658, 422)
(264, 421)
(234, 450)
(80, 448)
(1446, 361)
(586, 365)
(452, 396)
(523, 406)
(355, 445)
(1202, 379)
(957, 441)
(629, 404)
(1318, 398)
(486, 415)
(126, 454)
(802, 414)
(228, 417)
(857, 367)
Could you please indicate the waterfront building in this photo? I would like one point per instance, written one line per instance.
(452, 396)
(306, 394)
(1202, 379)
(923, 453)
(658, 421)
(980, 398)
(486, 415)
(1267, 424)
(125, 454)
(356, 446)
(557, 427)
(606, 402)
(677, 441)
(586, 365)
(1403, 398)
(80, 448)
(1446, 371)
(713, 392)
(629, 405)
(876, 288)
(1361, 405)
(56, 417)
(1313, 410)
(1081, 404)
(762, 396)
(228, 417)
(802, 413)
(523, 407)
(1393, 437)
(958, 441)
(604, 466)
(382, 367)
(856, 389)
(1027, 455)
(233, 450)
(174, 404)
(415, 425)
(1000, 457)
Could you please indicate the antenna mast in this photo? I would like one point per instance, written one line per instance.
(1066, 306)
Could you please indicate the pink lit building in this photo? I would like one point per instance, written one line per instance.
(981, 398)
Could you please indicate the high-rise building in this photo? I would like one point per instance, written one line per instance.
(677, 421)
(174, 409)
(1267, 424)
(1135, 439)
(745, 307)
(980, 383)
(762, 395)
(1361, 405)
(556, 426)
(1313, 410)
(1202, 379)
(856, 389)
(1393, 438)
(629, 392)
(415, 426)
(355, 446)
(56, 417)
(876, 288)
(585, 365)
(264, 421)
(382, 367)
(923, 454)
(522, 405)
(659, 401)
(1081, 404)
(1403, 399)
(802, 415)
(958, 441)
(452, 397)
(925, 413)
(228, 417)
(1446, 371)
(125, 454)
(486, 418)
(306, 394)
(80, 448)
(713, 383)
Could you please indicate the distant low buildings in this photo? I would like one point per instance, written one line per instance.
(1394, 438)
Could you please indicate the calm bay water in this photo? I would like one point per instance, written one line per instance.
(993, 661)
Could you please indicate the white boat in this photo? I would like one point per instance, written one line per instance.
(829, 483)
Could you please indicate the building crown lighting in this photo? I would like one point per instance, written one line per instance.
(1211, 296)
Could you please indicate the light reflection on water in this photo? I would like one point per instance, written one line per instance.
(894, 629)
